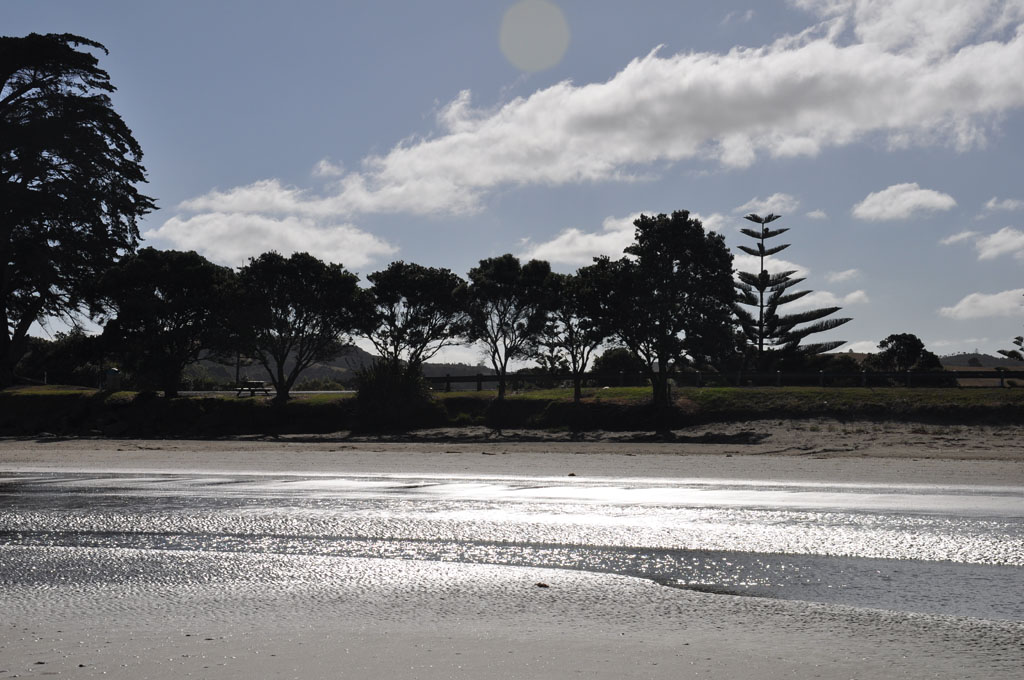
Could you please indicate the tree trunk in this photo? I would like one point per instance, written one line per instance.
(577, 388)
(659, 385)
(6, 372)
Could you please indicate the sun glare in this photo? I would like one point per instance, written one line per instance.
(534, 35)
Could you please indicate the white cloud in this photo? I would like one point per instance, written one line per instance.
(1006, 240)
(777, 203)
(913, 72)
(925, 28)
(326, 168)
(982, 305)
(1005, 205)
(823, 298)
(817, 215)
(576, 247)
(232, 238)
(956, 238)
(773, 265)
(845, 275)
(738, 17)
(901, 201)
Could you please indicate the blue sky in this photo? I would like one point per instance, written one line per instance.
(888, 133)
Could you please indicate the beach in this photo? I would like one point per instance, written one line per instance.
(358, 617)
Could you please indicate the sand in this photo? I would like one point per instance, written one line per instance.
(369, 618)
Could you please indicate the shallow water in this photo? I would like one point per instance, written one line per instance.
(954, 550)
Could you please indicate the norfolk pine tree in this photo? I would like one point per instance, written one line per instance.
(769, 335)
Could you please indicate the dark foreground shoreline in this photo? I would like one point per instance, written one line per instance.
(83, 412)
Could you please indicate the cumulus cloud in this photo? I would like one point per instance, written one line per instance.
(1006, 240)
(956, 238)
(901, 201)
(232, 238)
(778, 203)
(773, 265)
(912, 72)
(326, 168)
(823, 298)
(817, 215)
(1005, 205)
(738, 17)
(576, 247)
(983, 305)
(845, 275)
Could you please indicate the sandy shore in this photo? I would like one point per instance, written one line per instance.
(824, 451)
(366, 618)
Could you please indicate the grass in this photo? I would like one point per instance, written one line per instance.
(75, 410)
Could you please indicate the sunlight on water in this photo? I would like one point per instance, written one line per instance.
(954, 550)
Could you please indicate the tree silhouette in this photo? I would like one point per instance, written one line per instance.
(295, 311)
(167, 307)
(904, 352)
(1015, 354)
(68, 170)
(770, 336)
(507, 305)
(574, 329)
(670, 300)
(413, 312)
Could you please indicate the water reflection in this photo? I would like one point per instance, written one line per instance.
(953, 550)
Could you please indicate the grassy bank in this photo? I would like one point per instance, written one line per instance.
(78, 411)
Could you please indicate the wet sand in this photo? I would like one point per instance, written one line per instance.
(361, 618)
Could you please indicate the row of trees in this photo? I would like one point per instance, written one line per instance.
(670, 300)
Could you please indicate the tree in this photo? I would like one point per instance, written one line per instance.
(619, 360)
(507, 305)
(68, 169)
(1015, 354)
(167, 307)
(670, 300)
(771, 336)
(574, 329)
(71, 358)
(413, 312)
(296, 311)
(904, 352)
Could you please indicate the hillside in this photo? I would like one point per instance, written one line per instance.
(983, 360)
(339, 370)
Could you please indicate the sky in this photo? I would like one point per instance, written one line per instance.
(887, 133)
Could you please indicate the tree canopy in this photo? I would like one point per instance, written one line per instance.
(69, 166)
(296, 311)
(167, 306)
(412, 312)
(670, 300)
(575, 328)
(507, 305)
(904, 352)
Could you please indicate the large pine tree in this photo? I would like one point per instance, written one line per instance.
(771, 337)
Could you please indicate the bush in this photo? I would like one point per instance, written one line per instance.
(391, 397)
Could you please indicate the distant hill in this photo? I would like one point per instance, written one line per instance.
(983, 360)
(341, 369)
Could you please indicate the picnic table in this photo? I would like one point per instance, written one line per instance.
(253, 386)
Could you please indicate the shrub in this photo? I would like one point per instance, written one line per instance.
(391, 397)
